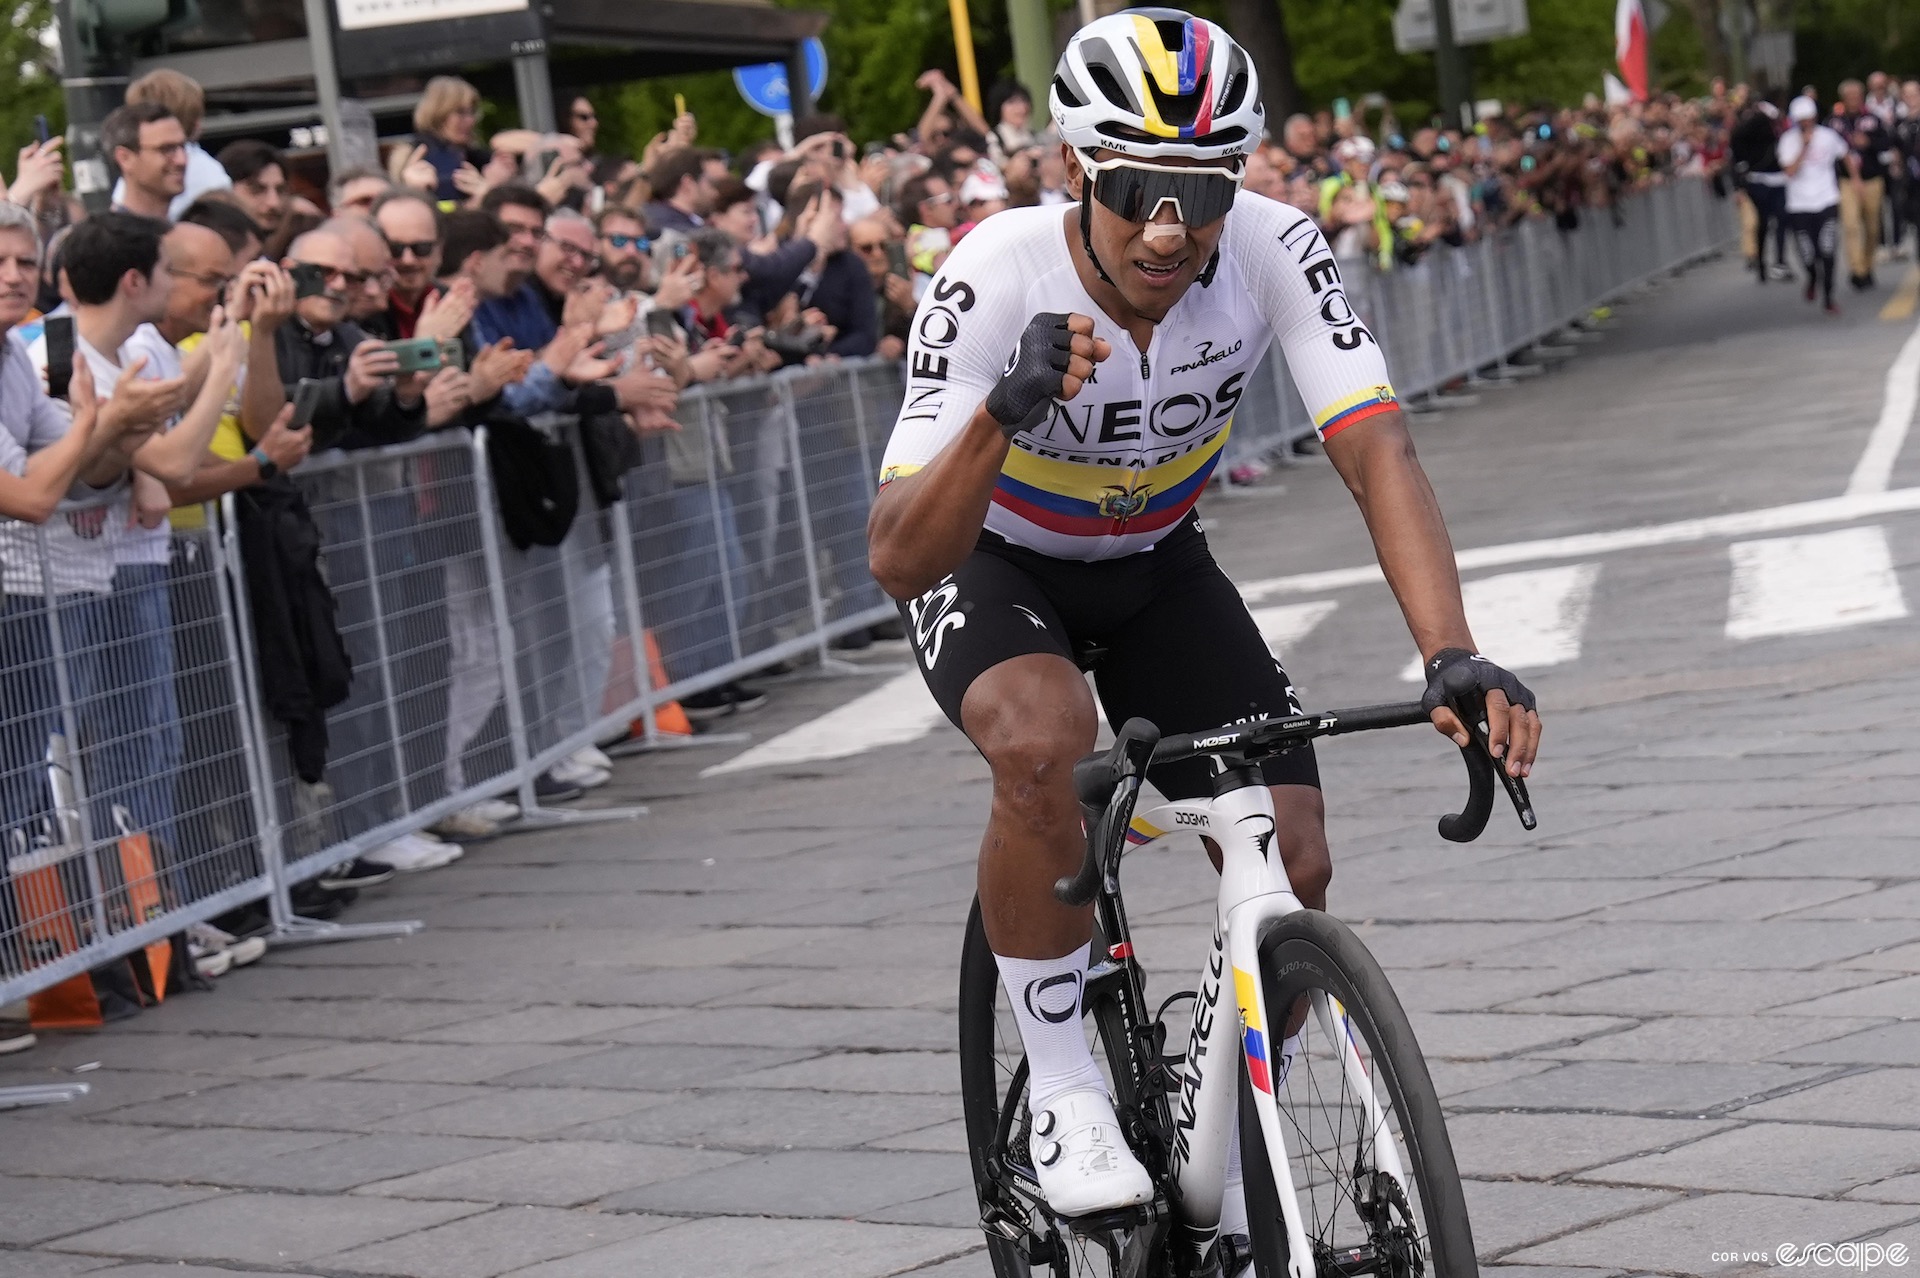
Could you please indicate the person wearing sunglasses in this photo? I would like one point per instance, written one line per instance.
(1072, 378)
(928, 209)
(410, 225)
(625, 250)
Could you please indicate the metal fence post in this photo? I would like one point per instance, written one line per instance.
(289, 928)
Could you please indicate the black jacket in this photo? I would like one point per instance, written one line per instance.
(304, 666)
(845, 293)
(377, 419)
(1754, 143)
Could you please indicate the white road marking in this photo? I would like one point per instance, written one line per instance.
(1874, 471)
(1743, 523)
(1284, 625)
(1803, 585)
(1525, 620)
(898, 711)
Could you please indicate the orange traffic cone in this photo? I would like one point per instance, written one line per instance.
(668, 718)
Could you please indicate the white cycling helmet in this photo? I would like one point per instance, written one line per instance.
(1157, 82)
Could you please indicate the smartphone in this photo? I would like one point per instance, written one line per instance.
(417, 354)
(897, 260)
(306, 399)
(40, 130)
(679, 105)
(839, 149)
(452, 353)
(660, 324)
(59, 331)
(308, 280)
(1342, 108)
(543, 162)
(738, 337)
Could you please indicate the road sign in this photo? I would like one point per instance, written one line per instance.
(764, 87)
(359, 15)
(1474, 22)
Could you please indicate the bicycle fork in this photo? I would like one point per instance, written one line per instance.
(1254, 897)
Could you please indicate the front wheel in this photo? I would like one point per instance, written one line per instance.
(1358, 1217)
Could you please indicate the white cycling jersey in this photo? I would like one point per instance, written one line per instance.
(1114, 469)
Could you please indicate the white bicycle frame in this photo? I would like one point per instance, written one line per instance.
(1254, 896)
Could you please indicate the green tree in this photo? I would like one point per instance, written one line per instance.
(29, 82)
(875, 49)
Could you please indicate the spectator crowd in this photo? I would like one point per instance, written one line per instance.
(226, 320)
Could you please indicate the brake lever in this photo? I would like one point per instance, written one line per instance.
(1468, 824)
(1107, 786)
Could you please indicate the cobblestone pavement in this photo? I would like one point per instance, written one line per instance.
(1678, 1024)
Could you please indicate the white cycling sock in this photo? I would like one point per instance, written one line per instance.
(1046, 994)
(1233, 1203)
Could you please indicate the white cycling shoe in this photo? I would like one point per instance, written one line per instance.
(1082, 1158)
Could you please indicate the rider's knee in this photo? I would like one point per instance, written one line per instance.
(1032, 757)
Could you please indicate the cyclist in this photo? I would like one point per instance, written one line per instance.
(1072, 375)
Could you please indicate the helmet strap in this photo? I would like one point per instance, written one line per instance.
(1086, 231)
(1213, 264)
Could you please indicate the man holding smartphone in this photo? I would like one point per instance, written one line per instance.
(365, 400)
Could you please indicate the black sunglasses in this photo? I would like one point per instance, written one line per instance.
(421, 249)
(1136, 192)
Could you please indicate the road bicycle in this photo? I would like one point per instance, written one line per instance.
(1346, 1162)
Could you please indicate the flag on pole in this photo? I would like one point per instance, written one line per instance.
(1630, 46)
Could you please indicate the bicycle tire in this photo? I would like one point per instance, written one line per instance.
(983, 1077)
(980, 1094)
(1309, 951)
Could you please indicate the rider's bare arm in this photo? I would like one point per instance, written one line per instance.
(1342, 377)
(1377, 462)
(924, 523)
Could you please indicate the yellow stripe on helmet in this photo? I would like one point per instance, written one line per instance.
(1163, 67)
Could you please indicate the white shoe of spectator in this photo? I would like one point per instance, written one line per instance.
(467, 823)
(498, 811)
(242, 951)
(208, 962)
(593, 757)
(570, 771)
(411, 853)
(16, 1029)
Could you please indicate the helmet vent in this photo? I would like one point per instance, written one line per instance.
(1109, 86)
(1067, 96)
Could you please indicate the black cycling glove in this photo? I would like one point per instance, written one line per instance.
(1486, 677)
(1035, 376)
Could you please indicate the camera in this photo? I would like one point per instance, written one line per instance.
(810, 340)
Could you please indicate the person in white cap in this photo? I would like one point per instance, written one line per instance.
(1809, 152)
(981, 195)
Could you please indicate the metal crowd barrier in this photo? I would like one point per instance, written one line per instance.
(128, 766)
(1459, 313)
(146, 787)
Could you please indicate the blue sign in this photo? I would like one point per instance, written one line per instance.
(765, 86)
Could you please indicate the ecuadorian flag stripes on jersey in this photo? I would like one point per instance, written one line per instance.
(1357, 407)
(1078, 500)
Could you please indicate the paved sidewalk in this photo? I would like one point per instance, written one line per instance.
(1681, 1021)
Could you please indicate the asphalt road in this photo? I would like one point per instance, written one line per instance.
(1676, 1026)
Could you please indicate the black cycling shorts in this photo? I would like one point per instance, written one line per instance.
(1166, 635)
